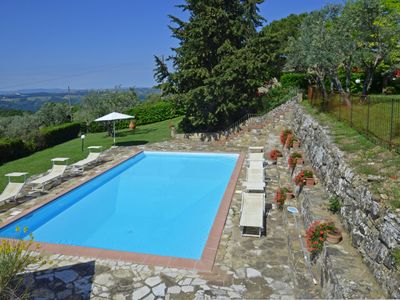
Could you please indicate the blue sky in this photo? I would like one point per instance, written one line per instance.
(94, 43)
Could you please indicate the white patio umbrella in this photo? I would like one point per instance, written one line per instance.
(114, 116)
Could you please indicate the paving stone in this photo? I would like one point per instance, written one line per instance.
(140, 293)
(174, 290)
(251, 273)
(104, 279)
(66, 275)
(159, 290)
(198, 281)
(152, 281)
(119, 297)
(187, 289)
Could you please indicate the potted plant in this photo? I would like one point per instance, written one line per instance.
(309, 177)
(294, 159)
(296, 142)
(284, 135)
(274, 154)
(317, 234)
(334, 236)
(289, 141)
(281, 195)
(132, 125)
(173, 129)
(304, 177)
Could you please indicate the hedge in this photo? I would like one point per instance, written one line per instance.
(147, 113)
(11, 149)
(54, 135)
(297, 80)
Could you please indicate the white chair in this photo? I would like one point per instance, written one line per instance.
(256, 156)
(93, 157)
(256, 149)
(13, 189)
(252, 214)
(55, 173)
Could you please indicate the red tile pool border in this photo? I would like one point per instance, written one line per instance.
(204, 264)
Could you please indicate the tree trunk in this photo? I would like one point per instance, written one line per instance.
(348, 78)
(343, 95)
(367, 83)
(321, 83)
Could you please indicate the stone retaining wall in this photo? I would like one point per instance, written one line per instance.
(374, 230)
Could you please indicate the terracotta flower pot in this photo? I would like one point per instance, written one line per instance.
(310, 181)
(296, 144)
(334, 237)
(300, 161)
(289, 196)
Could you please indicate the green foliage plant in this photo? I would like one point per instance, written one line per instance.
(334, 205)
(15, 257)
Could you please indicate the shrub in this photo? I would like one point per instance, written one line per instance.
(15, 257)
(148, 112)
(396, 257)
(54, 135)
(11, 149)
(277, 96)
(334, 205)
(297, 80)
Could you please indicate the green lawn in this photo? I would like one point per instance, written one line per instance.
(39, 162)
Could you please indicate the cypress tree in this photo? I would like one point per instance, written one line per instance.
(216, 74)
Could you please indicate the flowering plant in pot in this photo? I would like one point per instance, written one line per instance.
(294, 159)
(296, 142)
(284, 135)
(304, 176)
(281, 195)
(274, 154)
(316, 235)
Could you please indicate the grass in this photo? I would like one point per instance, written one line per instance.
(366, 157)
(376, 120)
(39, 162)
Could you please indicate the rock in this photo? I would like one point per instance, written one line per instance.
(140, 293)
(152, 281)
(252, 273)
(66, 276)
(159, 290)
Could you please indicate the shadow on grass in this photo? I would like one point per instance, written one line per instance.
(131, 143)
(69, 282)
(136, 131)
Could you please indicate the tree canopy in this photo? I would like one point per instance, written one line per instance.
(216, 69)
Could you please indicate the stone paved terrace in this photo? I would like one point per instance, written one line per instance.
(249, 268)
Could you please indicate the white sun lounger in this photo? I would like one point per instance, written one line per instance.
(256, 164)
(256, 149)
(255, 175)
(56, 172)
(252, 214)
(92, 157)
(256, 156)
(12, 189)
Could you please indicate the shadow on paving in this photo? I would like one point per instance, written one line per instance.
(69, 282)
(131, 143)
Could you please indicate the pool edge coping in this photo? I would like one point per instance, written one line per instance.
(205, 263)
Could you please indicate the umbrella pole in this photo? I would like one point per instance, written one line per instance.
(114, 131)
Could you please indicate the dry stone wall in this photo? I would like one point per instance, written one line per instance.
(374, 230)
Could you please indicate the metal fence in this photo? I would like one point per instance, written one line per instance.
(377, 117)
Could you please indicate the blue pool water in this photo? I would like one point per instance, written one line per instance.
(154, 203)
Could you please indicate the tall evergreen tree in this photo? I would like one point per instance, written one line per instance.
(205, 82)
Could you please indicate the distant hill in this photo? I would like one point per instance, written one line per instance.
(33, 99)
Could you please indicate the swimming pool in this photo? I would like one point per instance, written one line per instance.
(158, 203)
